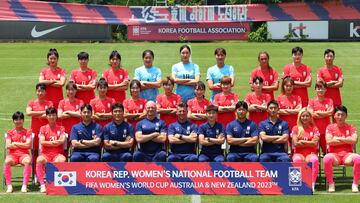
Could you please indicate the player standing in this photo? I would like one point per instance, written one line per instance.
(84, 78)
(117, 78)
(53, 77)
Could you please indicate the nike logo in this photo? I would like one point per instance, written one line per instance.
(36, 34)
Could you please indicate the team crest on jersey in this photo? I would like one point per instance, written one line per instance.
(157, 126)
(77, 107)
(217, 131)
(46, 107)
(93, 132)
(326, 106)
(235, 129)
(336, 75)
(311, 134)
(121, 77)
(79, 132)
(125, 133)
(109, 105)
(347, 132)
(140, 106)
(59, 76)
(58, 132)
(143, 126)
(112, 132)
(294, 103)
(89, 77)
(271, 77)
(304, 73)
(188, 130)
(174, 102)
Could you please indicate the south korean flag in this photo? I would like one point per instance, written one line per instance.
(65, 178)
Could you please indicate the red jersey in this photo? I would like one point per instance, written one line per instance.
(134, 106)
(341, 131)
(66, 105)
(290, 102)
(309, 134)
(36, 122)
(167, 102)
(299, 74)
(198, 107)
(54, 94)
(269, 76)
(324, 105)
(102, 106)
(229, 100)
(16, 136)
(263, 99)
(84, 78)
(116, 77)
(52, 134)
(332, 74)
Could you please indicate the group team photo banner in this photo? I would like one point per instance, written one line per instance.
(226, 178)
(190, 32)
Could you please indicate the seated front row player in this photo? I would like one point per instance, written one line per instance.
(211, 137)
(242, 136)
(274, 134)
(118, 137)
(182, 137)
(151, 136)
(51, 144)
(86, 138)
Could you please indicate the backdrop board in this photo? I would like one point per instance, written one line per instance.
(21, 30)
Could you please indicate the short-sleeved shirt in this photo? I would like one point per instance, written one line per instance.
(278, 129)
(185, 71)
(18, 136)
(67, 105)
(324, 105)
(37, 122)
(102, 106)
(167, 102)
(113, 78)
(290, 102)
(341, 131)
(113, 131)
(213, 132)
(246, 129)
(52, 134)
(81, 131)
(184, 129)
(54, 94)
(84, 78)
(152, 74)
(215, 74)
(146, 127)
(194, 106)
(309, 134)
(134, 106)
(226, 100)
(331, 74)
(269, 76)
(299, 74)
(263, 99)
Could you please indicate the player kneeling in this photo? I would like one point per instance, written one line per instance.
(51, 144)
(18, 142)
(118, 137)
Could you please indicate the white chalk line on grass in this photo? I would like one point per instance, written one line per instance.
(195, 198)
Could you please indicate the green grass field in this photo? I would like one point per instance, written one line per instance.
(21, 64)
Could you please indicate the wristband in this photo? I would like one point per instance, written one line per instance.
(208, 139)
(180, 137)
(81, 141)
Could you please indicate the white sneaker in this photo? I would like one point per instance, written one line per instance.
(42, 189)
(354, 188)
(313, 187)
(9, 189)
(331, 188)
(24, 189)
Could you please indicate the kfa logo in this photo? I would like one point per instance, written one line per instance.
(297, 31)
(136, 30)
(295, 178)
(65, 178)
(354, 30)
